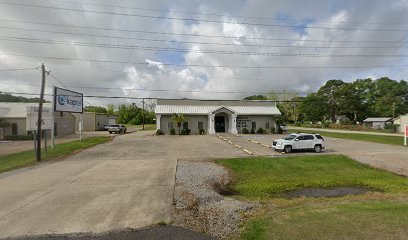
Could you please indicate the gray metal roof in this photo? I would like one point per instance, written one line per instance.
(379, 119)
(204, 110)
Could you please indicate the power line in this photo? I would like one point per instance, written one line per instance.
(187, 50)
(207, 43)
(221, 15)
(17, 69)
(194, 35)
(202, 66)
(202, 20)
(140, 98)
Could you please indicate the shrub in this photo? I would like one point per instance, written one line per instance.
(280, 131)
(391, 127)
(185, 132)
(201, 131)
(19, 137)
(260, 131)
(172, 131)
(252, 131)
(245, 131)
(159, 132)
(273, 129)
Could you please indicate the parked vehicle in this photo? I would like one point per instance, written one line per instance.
(117, 128)
(284, 128)
(106, 128)
(299, 141)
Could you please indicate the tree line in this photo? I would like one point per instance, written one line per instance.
(125, 113)
(354, 101)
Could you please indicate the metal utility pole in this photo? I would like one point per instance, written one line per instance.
(143, 101)
(39, 120)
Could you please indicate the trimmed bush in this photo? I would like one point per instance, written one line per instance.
(19, 137)
(201, 131)
(159, 132)
(252, 131)
(172, 131)
(245, 131)
(185, 132)
(273, 129)
(260, 131)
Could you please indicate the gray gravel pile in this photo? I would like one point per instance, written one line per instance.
(199, 204)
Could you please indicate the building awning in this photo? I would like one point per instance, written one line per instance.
(377, 120)
(205, 110)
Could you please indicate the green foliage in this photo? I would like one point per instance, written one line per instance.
(260, 131)
(391, 127)
(252, 131)
(185, 132)
(273, 129)
(19, 137)
(131, 114)
(96, 109)
(179, 119)
(172, 131)
(110, 109)
(201, 131)
(3, 123)
(256, 97)
(245, 131)
(159, 132)
(5, 97)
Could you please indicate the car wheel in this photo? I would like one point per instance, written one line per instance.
(110, 132)
(288, 149)
(318, 148)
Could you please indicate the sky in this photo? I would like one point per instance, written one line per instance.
(209, 49)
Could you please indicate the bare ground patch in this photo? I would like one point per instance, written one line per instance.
(199, 203)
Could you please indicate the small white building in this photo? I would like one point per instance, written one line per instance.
(378, 123)
(401, 121)
(93, 121)
(213, 116)
(15, 113)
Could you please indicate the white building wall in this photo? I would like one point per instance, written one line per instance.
(192, 123)
(245, 121)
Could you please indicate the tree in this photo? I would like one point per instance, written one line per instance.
(110, 109)
(256, 97)
(331, 94)
(313, 108)
(179, 119)
(96, 109)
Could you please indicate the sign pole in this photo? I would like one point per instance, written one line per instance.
(52, 138)
(80, 127)
(35, 143)
(405, 134)
(45, 141)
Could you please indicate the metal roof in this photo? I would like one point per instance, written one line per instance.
(17, 109)
(204, 110)
(379, 119)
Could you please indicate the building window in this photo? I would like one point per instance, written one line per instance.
(170, 125)
(185, 125)
(14, 129)
(200, 125)
(253, 125)
(267, 125)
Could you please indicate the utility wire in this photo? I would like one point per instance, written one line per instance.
(205, 43)
(199, 65)
(219, 15)
(202, 20)
(191, 34)
(17, 69)
(187, 50)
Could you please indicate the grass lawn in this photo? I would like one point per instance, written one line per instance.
(140, 127)
(381, 215)
(27, 158)
(394, 140)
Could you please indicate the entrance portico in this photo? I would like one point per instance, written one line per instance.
(222, 119)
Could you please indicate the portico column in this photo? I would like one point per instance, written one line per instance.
(234, 124)
(211, 124)
(158, 116)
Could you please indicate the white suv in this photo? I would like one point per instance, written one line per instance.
(299, 141)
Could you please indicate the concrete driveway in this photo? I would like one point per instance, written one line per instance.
(127, 183)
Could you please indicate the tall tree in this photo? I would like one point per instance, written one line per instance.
(313, 108)
(96, 109)
(179, 118)
(331, 93)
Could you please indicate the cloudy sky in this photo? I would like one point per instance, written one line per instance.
(219, 49)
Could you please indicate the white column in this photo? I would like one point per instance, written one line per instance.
(211, 124)
(233, 124)
(158, 116)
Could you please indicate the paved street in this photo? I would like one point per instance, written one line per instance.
(127, 183)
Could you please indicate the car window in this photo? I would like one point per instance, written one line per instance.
(289, 137)
(319, 137)
(308, 137)
(301, 138)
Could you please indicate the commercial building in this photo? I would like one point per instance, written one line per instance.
(16, 114)
(230, 116)
(94, 121)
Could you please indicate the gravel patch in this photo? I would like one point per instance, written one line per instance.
(198, 203)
